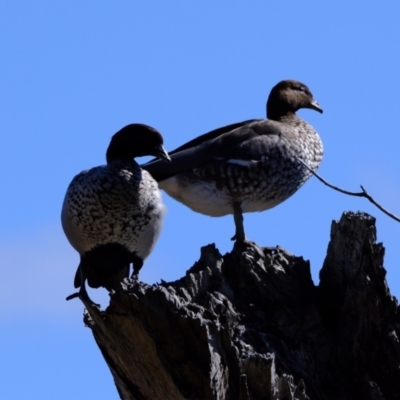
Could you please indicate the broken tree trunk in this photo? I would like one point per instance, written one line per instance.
(252, 325)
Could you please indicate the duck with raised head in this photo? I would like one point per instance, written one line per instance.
(112, 214)
(249, 166)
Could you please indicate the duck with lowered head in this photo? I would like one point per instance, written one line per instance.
(112, 214)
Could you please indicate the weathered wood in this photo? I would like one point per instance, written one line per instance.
(252, 325)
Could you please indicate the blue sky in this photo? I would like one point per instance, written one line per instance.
(73, 73)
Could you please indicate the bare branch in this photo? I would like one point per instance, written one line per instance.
(364, 193)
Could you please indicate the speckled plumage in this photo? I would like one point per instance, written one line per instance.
(256, 182)
(249, 166)
(112, 214)
(116, 203)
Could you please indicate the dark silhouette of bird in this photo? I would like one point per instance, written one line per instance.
(112, 214)
(248, 166)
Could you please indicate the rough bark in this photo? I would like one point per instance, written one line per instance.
(252, 325)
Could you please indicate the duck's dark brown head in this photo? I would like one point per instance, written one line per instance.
(136, 140)
(289, 96)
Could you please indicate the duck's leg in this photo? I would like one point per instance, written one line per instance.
(238, 217)
(82, 293)
(137, 265)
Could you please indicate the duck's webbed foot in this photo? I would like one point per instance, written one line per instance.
(84, 297)
(82, 294)
(238, 218)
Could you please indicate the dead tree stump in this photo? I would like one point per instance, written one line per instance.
(252, 325)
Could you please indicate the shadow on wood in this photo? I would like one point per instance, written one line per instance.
(251, 325)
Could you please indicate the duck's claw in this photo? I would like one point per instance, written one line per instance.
(72, 296)
(84, 297)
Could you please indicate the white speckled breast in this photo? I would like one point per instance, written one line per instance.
(115, 203)
(271, 175)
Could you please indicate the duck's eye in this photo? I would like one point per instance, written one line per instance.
(300, 88)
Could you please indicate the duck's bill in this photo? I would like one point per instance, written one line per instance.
(161, 153)
(315, 106)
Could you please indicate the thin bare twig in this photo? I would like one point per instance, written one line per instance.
(364, 193)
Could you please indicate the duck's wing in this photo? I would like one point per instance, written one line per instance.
(248, 142)
(244, 142)
(211, 135)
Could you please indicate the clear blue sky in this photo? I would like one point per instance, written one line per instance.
(73, 73)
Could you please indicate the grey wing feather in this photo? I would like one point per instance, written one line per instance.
(242, 142)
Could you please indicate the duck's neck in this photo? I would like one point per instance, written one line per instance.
(119, 162)
(276, 115)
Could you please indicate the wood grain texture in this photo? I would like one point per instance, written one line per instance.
(252, 325)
